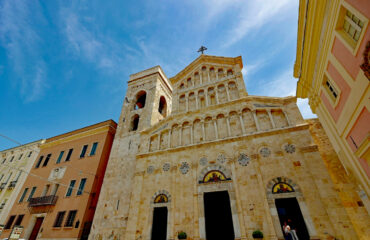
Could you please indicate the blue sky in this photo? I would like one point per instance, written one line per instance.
(65, 64)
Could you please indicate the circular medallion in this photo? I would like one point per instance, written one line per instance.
(243, 159)
(166, 167)
(203, 161)
(184, 168)
(289, 148)
(150, 169)
(221, 158)
(265, 152)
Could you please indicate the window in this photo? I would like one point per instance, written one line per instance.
(70, 218)
(39, 162)
(332, 91)
(140, 102)
(46, 160)
(350, 26)
(93, 149)
(23, 195)
(82, 186)
(70, 188)
(10, 222)
(19, 220)
(20, 157)
(10, 175)
(29, 155)
(45, 191)
(11, 160)
(135, 123)
(59, 219)
(4, 160)
(60, 156)
(69, 154)
(31, 194)
(83, 152)
(2, 175)
(162, 109)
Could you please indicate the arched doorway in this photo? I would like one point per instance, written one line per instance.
(286, 201)
(159, 216)
(218, 218)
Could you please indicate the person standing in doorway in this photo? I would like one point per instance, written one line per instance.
(287, 232)
(293, 230)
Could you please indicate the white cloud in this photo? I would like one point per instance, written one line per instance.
(22, 45)
(305, 108)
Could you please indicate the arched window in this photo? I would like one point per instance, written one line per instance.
(162, 109)
(282, 187)
(135, 122)
(140, 100)
(161, 198)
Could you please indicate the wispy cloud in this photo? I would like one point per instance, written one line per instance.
(22, 45)
(94, 47)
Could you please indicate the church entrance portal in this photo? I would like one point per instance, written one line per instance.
(288, 208)
(218, 219)
(159, 229)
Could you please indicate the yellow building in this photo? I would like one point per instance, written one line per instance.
(196, 154)
(332, 65)
(14, 166)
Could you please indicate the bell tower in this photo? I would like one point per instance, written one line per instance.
(148, 100)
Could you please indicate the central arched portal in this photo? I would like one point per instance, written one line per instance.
(218, 217)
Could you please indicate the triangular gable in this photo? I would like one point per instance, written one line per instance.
(202, 59)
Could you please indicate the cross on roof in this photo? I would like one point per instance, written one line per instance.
(202, 49)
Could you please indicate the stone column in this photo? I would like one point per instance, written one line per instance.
(242, 123)
(216, 131)
(216, 90)
(200, 77)
(271, 120)
(206, 96)
(196, 100)
(228, 126)
(169, 138)
(256, 121)
(209, 78)
(286, 117)
(159, 141)
(180, 142)
(191, 134)
(203, 131)
(187, 102)
(227, 92)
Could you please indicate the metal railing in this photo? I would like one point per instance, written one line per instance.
(12, 184)
(43, 201)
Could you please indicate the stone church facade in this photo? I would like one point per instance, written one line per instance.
(196, 154)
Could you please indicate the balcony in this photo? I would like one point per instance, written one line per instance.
(2, 186)
(43, 201)
(12, 184)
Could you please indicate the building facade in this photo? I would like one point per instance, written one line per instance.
(15, 164)
(196, 154)
(332, 65)
(59, 197)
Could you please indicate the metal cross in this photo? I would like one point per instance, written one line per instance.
(202, 49)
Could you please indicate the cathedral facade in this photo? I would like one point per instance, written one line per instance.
(196, 155)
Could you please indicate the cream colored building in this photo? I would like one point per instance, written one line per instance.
(14, 166)
(196, 153)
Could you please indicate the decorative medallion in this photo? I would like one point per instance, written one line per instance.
(150, 169)
(214, 176)
(221, 158)
(243, 159)
(265, 152)
(184, 168)
(289, 148)
(166, 167)
(203, 161)
(282, 187)
(161, 198)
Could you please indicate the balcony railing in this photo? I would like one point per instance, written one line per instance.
(2, 186)
(12, 184)
(43, 201)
